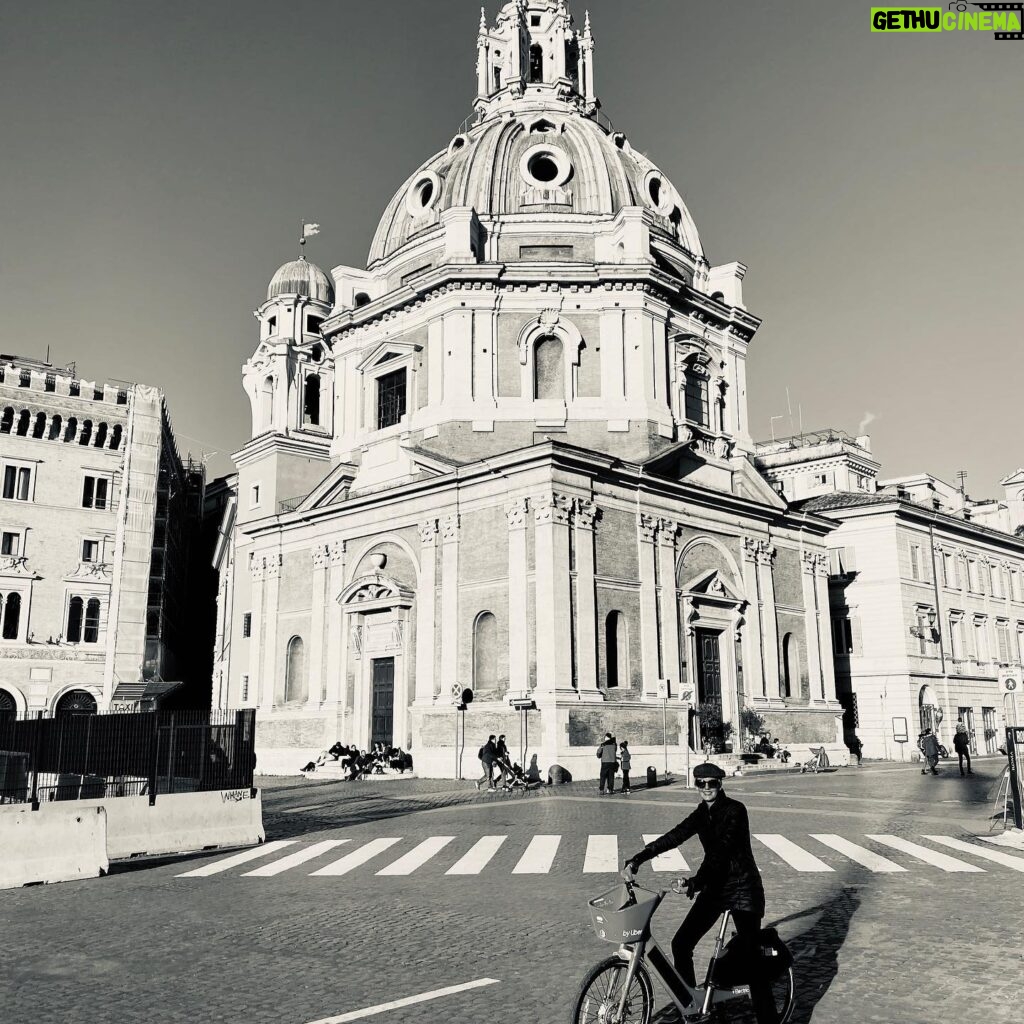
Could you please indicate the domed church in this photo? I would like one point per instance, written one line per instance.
(512, 455)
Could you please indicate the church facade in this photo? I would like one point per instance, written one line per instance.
(512, 454)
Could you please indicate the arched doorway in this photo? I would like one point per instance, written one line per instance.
(75, 702)
(928, 709)
(8, 706)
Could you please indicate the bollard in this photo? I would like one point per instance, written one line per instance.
(652, 777)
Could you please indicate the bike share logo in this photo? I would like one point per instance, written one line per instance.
(1003, 20)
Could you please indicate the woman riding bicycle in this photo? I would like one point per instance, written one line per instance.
(728, 879)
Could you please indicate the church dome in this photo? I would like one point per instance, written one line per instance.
(300, 277)
(545, 159)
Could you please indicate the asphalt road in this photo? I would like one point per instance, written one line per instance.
(376, 893)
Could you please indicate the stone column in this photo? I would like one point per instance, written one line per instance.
(812, 625)
(449, 605)
(254, 663)
(518, 598)
(271, 671)
(646, 530)
(554, 600)
(318, 625)
(337, 648)
(426, 602)
(765, 563)
(828, 672)
(586, 604)
(668, 530)
(754, 670)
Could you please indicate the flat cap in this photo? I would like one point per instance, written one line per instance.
(708, 771)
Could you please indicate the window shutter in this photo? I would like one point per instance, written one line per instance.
(856, 636)
(849, 560)
(1004, 644)
(834, 564)
(906, 570)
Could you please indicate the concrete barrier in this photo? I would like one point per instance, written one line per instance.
(181, 822)
(60, 845)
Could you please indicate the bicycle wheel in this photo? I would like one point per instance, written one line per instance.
(599, 995)
(741, 1011)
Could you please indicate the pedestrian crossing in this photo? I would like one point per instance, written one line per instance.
(496, 855)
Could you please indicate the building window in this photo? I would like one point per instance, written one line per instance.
(956, 636)
(90, 550)
(7, 421)
(313, 324)
(91, 633)
(497, 79)
(842, 635)
(915, 561)
(485, 653)
(788, 666)
(254, 496)
(39, 427)
(75, 388)
(949, 573)
(390, 398)
(51, 382)
(616, 650)
(998, 590)
(924, 632)
(360, 299)
(76, 607)
(101, 436)
(25, 379)
(1003, 641)
(95, 492)
(696, 399)
(85, 435)
(24, 419)
(842, 561)
(271, 325)
(17, 483)
(115, 437)
(536, 63)
(980, 639)
(973, 578)
(548, 369)
(247, 625)
(295, 671)
(10, 543)
(245, 688)
(12, 616)
(311, 400)
(76, 702)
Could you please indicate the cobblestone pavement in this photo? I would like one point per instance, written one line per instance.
(287, 946)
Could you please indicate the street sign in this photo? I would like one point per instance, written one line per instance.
(662, 689)
(1014, 750)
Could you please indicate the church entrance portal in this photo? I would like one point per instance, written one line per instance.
(709, 666)
(383, 701)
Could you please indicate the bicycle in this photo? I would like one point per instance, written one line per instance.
(618, 990)
(817, 763)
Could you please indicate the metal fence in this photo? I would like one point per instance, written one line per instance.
(73, 757)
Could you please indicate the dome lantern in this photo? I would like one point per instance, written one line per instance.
(300, 277)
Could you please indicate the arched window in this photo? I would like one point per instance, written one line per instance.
(76, 607)
(548, 369)
(789, 659)
(39, 427)
(101, 435)
(485, 653)
(616, 650)
(8, 706)
(115, 437)
(267, 404)
(12, 616)
(536, 63)
(7, 420)
(86, 434)
(69, 434)
(361, 299)
(55, 424)
(75, 702)
(697, 397)
(295, 684)
(23, 422)
(91, 634)
(311, 400)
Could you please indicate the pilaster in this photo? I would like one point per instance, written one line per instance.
(337, 649)
(646, 531)
(318, 631)
(518, 597)
(765, 564)
(668, 530)
(828, 672)
(449, 603)
(269, 670)
(584, 514)
(754, 679)
(254, 663)
(812, 623)
(553, 596)
(426, 600)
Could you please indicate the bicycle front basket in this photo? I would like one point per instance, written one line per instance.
(618, 918)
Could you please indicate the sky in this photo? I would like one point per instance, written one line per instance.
(157, 159)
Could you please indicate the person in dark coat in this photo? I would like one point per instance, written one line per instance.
(728, 879)
(502, 762)
(488, 754)
(929, 744)
(962, 746)
(608, 753)
(854, 745)
(626, 760)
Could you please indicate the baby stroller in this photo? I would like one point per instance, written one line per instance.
(517, 780)
(817, 763)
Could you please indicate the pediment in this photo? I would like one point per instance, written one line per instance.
(714, 585)
(373, 591)
(16, 566)
(386, 352)
(332, 490)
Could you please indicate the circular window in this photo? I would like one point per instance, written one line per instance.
(654, 190)
(545, 167)
(658, 193)
(424, 193)
(457, 143)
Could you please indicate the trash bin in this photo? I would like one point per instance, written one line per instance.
(652, 777)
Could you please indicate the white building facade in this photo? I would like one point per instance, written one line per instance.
(512, 454)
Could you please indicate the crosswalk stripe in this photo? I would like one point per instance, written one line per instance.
(478, 857)
(866, 858)
(356, 857)
(795, 856)
(939, 860)
(1006, 859)
(417, 856)
(539, 856)
(294, 859)
(673, 860)
(602, 855)
(239, 858)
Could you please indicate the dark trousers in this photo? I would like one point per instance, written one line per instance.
(703, 916)
(488, 775)
(961, 754)
(625, 780)
(607, 776)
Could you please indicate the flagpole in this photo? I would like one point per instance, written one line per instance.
(302, 239)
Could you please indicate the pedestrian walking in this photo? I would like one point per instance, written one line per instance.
(487, 753)
(502, 762)
(624, 761)
(607, 754)
(855, 747)
(929, 744)
(962, 746)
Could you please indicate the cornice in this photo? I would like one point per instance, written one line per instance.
(288, 444)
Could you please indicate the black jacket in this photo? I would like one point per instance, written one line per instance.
(961, 741)
(488, 752)
(728, 873)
